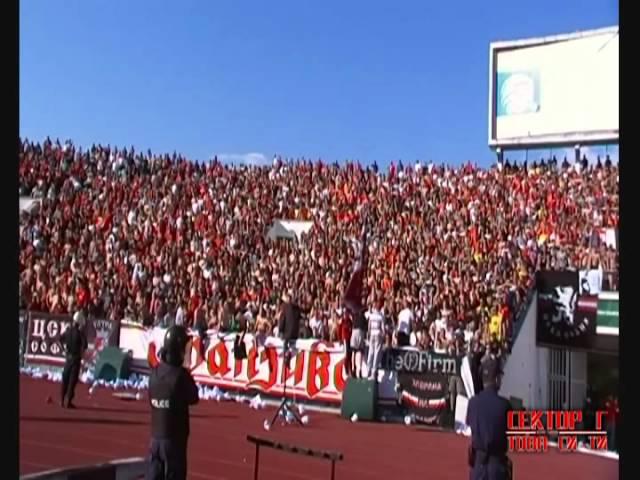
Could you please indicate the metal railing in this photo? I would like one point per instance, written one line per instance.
(520, 315)
(333, 457)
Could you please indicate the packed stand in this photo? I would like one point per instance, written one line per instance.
(158, 239)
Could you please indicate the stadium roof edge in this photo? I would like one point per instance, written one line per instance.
(500, 45)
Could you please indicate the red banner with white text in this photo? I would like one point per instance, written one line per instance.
(316, 370)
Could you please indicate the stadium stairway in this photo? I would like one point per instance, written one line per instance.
(520, 316)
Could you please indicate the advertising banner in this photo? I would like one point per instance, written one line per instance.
(23, 325)
(537, 98)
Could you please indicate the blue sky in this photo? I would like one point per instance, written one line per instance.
(367, 80)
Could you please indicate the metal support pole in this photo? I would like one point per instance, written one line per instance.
(255, 463)
(569, 379)
(333, 469)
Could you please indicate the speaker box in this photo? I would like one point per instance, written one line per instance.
(112, 364)
(360, 396)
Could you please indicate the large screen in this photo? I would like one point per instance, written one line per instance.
(556, 90)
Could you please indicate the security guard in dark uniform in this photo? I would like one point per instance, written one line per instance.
(171, 392)
(74, 342)
(487, 418)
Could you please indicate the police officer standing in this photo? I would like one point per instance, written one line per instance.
(171, 392)
(487, 418)
(74, 342)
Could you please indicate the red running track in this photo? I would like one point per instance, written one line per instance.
(104, 428)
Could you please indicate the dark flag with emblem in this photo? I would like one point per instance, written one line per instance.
(565, 318)
(353, 294)
(101, 333)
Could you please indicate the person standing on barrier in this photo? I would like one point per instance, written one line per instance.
(376, 338)
(475, 362)
(357, 342)
(613, 412)
(74, 342)
(346, 326)
(406, 323)
(172, 391)
(487, 418)
(289, 326)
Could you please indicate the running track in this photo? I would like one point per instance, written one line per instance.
(105, 428)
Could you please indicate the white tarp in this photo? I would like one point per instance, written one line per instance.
(591, 281)
(609, 237)
(288, 229)
(28, 203)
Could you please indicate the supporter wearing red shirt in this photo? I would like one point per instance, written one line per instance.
(613, 414)
(505, 313)
(346, 326)
(194, 303)
(82, 296)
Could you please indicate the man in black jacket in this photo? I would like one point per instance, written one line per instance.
(289, 324)
(477, 353)
(487, 418)
(74, 342)
(171, 392)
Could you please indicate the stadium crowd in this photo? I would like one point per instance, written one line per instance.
(159, 239)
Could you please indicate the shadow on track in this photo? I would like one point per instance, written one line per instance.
(145, 410)
(113, 410)
(95, 421)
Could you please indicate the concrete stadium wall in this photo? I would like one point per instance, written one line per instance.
(526, 374)
(122, 469)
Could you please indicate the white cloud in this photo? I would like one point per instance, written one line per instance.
(253, 159)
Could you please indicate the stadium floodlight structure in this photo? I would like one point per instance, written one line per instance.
(557, 91)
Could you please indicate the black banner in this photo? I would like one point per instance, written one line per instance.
(44, 333)
(23, 325)
(424, 396)
(43, 337)
(416, 361)
(565, 318)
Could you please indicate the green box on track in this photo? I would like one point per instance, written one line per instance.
(112, 364)
(360, 396)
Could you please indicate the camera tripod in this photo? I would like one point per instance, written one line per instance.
(286, 407)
